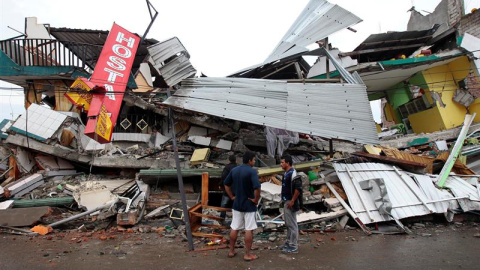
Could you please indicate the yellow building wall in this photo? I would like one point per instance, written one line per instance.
(442, 79)
(475, 108)
(426, 121)
(389, 114)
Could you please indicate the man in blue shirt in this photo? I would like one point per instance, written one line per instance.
(290, 192)
(243, 187)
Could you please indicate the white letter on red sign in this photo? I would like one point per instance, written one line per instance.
(116, 60)
(110, 94)
(121, 37)
(116, 49)
(112, 75)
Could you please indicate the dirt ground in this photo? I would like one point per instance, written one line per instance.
(435, 246)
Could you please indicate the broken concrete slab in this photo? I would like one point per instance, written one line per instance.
(160, 139)
(59, 173)
(123, 162)
(92, 195)
(50, 163)
(157, 212)
(69, 154)
(312, 216)
(200, 140)
(18, 217)
(25, 185)
(197, 131)
(271, 192)
(25, 160)
(131, 137)
(222, 144)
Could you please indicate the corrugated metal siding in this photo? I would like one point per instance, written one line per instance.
(425, 183)
(460, 188)
(318, 20)
(339, 111)
(404, 202)
(176, 69)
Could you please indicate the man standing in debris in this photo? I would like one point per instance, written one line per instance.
(243, 187)
(290, 193)
(226, 202)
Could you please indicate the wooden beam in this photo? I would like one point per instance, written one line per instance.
(217, 208)
(206, 216)
(211, 248)
(390, 160)
(204, 188)
(210, 235)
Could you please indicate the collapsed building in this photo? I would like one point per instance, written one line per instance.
(320, 114)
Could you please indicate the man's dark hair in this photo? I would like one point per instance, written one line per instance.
(232, 159)
(248, 156)
(288, 159)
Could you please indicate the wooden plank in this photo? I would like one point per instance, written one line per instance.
(390, 160)
(279, 170)
(206, 216)
(209, 235)
(215, 226)
(217, 208)
(204, 188)
(211, 248)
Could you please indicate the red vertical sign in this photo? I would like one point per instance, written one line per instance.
(111, 75)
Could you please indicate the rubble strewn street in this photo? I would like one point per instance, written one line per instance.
(117, 161)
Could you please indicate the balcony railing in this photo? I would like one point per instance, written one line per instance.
(49, 52)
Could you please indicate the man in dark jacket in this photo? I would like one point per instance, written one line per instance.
(290, 193)
(226, 202)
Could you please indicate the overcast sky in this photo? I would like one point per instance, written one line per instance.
(221, 36)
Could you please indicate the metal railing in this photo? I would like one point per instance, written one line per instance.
(48, 52)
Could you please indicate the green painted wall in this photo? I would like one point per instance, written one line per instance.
(397, 97)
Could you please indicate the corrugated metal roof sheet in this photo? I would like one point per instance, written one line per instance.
(425, 183)
(171, 59)
(461, 188)
(71, 38)
(340, 111)
(393, 39)
(405, 196)
(318, 20)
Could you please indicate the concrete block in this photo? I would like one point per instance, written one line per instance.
(200, 140)
(222, 144)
